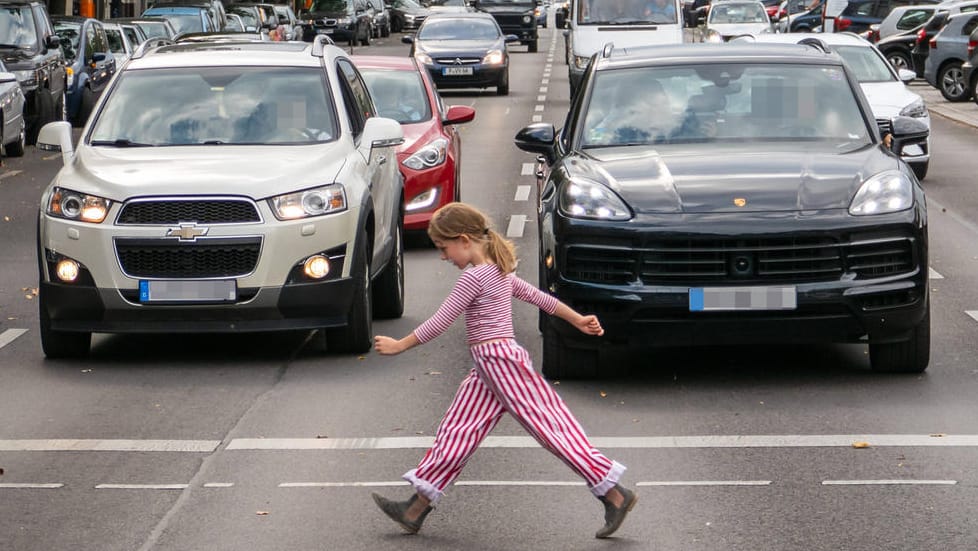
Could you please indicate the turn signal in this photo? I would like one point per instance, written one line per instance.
(316, 266)
(67, 270)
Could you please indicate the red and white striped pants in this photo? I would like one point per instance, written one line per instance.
(503, 380)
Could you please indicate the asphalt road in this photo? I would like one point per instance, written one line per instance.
(262, 442)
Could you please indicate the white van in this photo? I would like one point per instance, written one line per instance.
(626, 23)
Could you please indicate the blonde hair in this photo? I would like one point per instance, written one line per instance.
(457, 219)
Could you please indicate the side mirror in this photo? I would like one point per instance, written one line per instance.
(906, 75)
(510, 38)
(56, 136)
(98, 57)
(407, 39)
(539, 137)
(53, 41)
(457, 114)
(380, 133)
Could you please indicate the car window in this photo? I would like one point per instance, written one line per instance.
(913, 18)
(114, 37)
(249, 17)
(596, 12)
(737, 13)
(723, 103)
(99, 42)
(218, 105)
(357, 97)
(43, 21)
(329, 5)
(399, 95)
(969, 25)
(865, 63)
(132, 35)
(17, 27)
(458, 29)
(89, 42)
(69, 32)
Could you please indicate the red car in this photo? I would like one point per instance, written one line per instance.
(430, 156)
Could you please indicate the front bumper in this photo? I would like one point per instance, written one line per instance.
(482, 75)
(439, 180)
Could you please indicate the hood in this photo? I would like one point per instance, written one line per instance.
(416, 136)
(589, 39)
(507, 8)
(460, 48)
(887, 99)
(253, 171)
(330, 14)
(703, 179)
(736, 29)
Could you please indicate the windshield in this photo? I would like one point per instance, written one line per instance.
(723, 103)
(865, 63)
(458, 29)
(329, 5)
(70, 33)
(619, 12)
(737, 14)
(399, 95)
(488, 2)
(249, 17)
(154, 29)
(217, 105)
(17, 27)
(182, 22)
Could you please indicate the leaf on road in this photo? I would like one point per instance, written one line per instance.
(603, 394)
(86, 370)
(6, 219)
(433, 373)
(938, 435)
(321, 436)
(262, 513)
(860, 445)
(29, 297)
(1, 471)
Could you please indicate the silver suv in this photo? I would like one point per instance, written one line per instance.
(229, 187)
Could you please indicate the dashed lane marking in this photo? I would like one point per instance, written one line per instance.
(706, 483)
(9, 335)
(932, 273)
(973, 314)
(522, 193)
(541, 98)
(109, 445)
(516, 224)
(11, 173)
(888, 482)
(29, 486)
(538, 108)
(342, 484)
(527, 169)
(536, 118)
(543, 89)
(142, 486)
(219, 485)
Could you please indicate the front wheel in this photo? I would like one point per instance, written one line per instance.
(356, 337)
(389, 286)
(561, 362)
(951, 83)
(909, 356)
(16, 148)
(502, 89)
(60, 344)
(899, 60)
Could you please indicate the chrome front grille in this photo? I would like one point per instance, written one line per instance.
(171, 211)
(458, 60)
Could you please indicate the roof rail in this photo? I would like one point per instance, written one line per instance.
(815, 43)
(319, 44)
(150, 44)
(606, 51)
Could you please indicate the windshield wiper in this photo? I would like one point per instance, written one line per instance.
(121, 143)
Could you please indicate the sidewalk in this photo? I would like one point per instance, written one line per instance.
(965, 112)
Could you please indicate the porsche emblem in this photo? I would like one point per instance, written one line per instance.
(740, 201)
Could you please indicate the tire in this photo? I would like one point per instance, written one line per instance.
(920, 169)
(386, 31)
(356, 337)
(396, 25)
(502, 89)
(389, 286)
(16, 148)
(950, 81)
(899, 59)
(909, 356)
(85, 108)
(60, 344)
(532, 47)
(561, 362)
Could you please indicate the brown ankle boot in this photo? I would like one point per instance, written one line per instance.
(614, 516)
(397, 511)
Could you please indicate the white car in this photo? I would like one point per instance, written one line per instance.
(735, 18)
(224, 188)
(885, 88)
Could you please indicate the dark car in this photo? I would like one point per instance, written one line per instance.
(31, 51)
(807, 22)
(382, 19)
(91, 64)
(926, 33)
(342, 20)
(860, 14)
(153, 27)
(407, 15)
(463, 50)
(515, 17)
(897, 49)
(745, 196)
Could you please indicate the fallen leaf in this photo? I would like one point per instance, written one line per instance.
(556, 383)
(604, 394)
(34, 291)
(262, 513)
(634, 420)
(1, 471)
(6, 219)
(321, 436)
(860, 445)
(938, 435)
(361, 357)
(433, 373)
(419, 432)
(29, 297)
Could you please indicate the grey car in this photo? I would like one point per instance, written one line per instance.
(948, 52)
(14, 129)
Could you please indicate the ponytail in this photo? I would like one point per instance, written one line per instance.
(501, 251)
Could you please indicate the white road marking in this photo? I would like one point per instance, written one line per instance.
(973, 314)
(888, 482)
(706, 483)
(527, 169)
(545, 81)
(9, 335)
(516, 224)
(543, 89)
(12, 173)
(538, 108)
(219, 485)
(507, 111)
(522, 193)
(29, 486)
(109, 445)
(142, 486)
(536, 118)
(932, 273)
(518, 483)
(341, 484)
(541, 98)
(640, 442)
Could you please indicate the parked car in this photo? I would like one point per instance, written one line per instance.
(448, 6)
(90, 63)
(898, 50)
(123, 40)
(860, 14)
(808, 21)
(788, 11)
(737, 17)
(947, 53)
(13, 127)
(430, 158)
(223, 240)
(235, 23)
(32, 52)
(885, 88)
(153, 27)
(933, 26)
(342, 20)
(407, 15)
(463, 50)
(904, 18)
(185, 19)
(382, 19)
(746, 196)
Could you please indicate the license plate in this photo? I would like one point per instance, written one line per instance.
(456, 71)
(719, 299)
(210, 290)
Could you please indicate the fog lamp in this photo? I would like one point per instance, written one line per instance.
(316, 266)
(67, 270)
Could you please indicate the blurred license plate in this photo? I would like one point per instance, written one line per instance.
(456, 71)
(706, 299)
(220, 290)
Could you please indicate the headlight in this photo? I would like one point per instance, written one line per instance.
(423, 200)
(423, 58)
(884, 193)
(581, 61)
(494, 57)
(72, 205)
(527, 19)
(343, 21)
(311, 202)
(917, 110)
(428, 156)
(583, 199)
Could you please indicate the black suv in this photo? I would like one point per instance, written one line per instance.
(514, 17)
(342, 20)
(32, 51)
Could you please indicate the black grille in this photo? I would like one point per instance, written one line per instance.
(885, 126)
(168, 258)
(784, 260)
(209, 211)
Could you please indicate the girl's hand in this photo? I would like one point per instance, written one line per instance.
(387, 345)
(589, 325)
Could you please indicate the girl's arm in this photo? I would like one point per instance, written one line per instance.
(548, 303)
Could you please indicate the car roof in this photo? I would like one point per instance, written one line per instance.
(229, 54)
(460, 15)
(402, 63)
(180, 10)
(830, 39)
(730, 52)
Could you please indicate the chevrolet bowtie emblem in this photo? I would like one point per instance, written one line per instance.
(186, 232)
(740, 201)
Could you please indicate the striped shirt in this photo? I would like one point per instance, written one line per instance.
(484, 294)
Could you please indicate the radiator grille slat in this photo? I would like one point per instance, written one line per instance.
(169, 259)
(204, 211)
